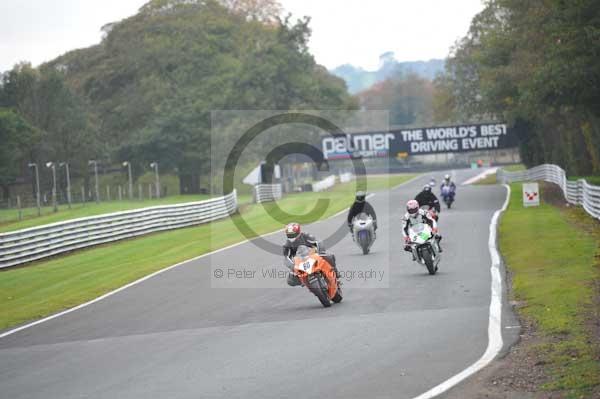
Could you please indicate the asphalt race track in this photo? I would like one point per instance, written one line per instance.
(173, 336)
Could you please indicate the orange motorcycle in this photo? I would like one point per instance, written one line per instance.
(317, 275)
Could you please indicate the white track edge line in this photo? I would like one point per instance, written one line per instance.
(495, 342)
(482, 175)
(156, 273)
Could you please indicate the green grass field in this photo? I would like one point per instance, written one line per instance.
(551, 253)
(43, 288)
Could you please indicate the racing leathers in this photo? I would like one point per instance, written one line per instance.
(450, 187)
(422, 217)
(428, 198)
(361, 207)
(449, 184)
(291, 246)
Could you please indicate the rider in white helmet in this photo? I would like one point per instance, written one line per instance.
(449, 183)
(414, 215)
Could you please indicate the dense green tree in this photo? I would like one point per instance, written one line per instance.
(154, 79)
(17, 138)
(42, 98)
(536, 65)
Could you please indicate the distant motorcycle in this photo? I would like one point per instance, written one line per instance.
(317, 275)
(363, 230)
(424, 246)
(447, 196)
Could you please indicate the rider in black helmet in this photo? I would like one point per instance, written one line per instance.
(427, 197)
(361, 205)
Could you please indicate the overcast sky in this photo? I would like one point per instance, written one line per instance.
(344, 31)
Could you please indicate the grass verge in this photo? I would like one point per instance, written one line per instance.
(553, 255)
(43, 288)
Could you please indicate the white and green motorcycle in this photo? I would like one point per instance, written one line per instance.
(424, 246)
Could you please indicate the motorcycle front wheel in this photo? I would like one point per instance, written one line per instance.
(317, 286)
(365, 248)
(363, 240)
(338, 295)
(428, 259)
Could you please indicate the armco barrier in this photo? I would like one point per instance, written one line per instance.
(267, 192)
(324, 184)
(578, 192)
(35, 243)
(346, 177)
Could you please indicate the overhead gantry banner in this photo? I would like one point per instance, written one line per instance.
(399, 143)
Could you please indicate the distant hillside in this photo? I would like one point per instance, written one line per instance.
(359, 79)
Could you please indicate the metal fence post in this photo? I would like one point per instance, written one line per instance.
(19, 207)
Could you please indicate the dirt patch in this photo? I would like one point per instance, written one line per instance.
(552, 194)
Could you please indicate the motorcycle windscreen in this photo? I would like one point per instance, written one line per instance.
(305, 265)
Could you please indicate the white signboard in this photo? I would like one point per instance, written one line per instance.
(531, 194)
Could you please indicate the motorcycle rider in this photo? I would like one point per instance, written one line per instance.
(427, 197)
(450, 184)
(361, 205)
(295, 238)
(414, 215)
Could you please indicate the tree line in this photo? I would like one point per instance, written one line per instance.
(534, 64)
(146, 91)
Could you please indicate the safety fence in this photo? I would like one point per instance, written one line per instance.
(267, 192)
(578, 192)
(35, 243)
(346, 177)
(324, 184)
(274, 192)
